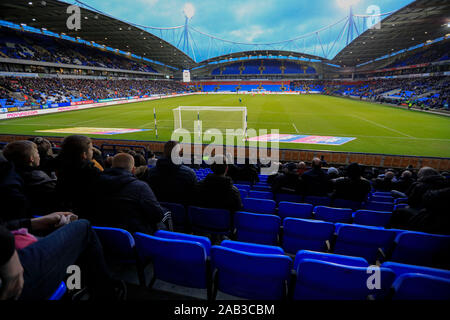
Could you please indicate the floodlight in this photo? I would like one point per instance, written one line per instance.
(189, 10)
(347, 3)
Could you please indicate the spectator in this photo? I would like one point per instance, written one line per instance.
(385, 183)
(217, 190)
(301, 168)
(39, 188)
(77, 175)
(126, 202)
(352, 187)
(405, 182)
(428, 179)
(288, 181)
(47, 162)
(332, 173)
(152, 159)
(247, 173)
(315, 182)
(171, 182)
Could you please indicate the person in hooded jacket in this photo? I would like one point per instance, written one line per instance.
(171, 182)
(217, 189)
(127, 202)
(428, 179)
(288, 181)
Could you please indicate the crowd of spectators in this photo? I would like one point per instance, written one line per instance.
(80, 186)
(36, 91)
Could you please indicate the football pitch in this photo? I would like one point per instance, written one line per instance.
(375, 128)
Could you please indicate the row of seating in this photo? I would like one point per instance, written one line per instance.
(264, 272)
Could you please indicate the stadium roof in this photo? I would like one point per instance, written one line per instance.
(275, 54)
(412, 25)
(101, 29)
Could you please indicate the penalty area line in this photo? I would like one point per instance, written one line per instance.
(296, 130)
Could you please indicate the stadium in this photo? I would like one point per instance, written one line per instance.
(199, 162)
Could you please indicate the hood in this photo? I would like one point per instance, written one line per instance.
(436, 180)
(165, 164)
(34, 176)
(115, 179)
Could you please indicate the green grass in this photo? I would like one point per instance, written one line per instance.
(378, 128)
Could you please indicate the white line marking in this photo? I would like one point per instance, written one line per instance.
(382, 126)
(295, 127)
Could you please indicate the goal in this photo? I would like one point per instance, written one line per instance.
(221, 118)
(258, 90)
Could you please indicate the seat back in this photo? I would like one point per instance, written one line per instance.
(259, 205)
(319, 280)
(379, 206)
(372, 218)
(422, 249)
(260, 195)
(249, 275)
(257, 228)
(210, 220)
(376, 198)
(401, 268)
(295, 210)
(178, 213)
(416, 286)
(288, 197)
(362, 241)
(299, 234)
(251, 247)
(59, 292)
(329, 257)
(187, 237)
(333, 214)
(118, 244)
(179, 262)
(342, 203)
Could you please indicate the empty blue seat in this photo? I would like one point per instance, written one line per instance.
(402, 268)
(376, 198)
(243, 193)
(288, 197)
(176, 261)
(299, 234)
(372, 218)
(184, 236)
(245, 187)
(416, 286)
(257, 228)
(217, 221)
(250, 275)
(260, 187)
(260, 195)
(379, 206)
(342, 203)
(317, 201)
(319, 280)
(422, 249)
(330, 257)
(362, 241)
(251, 247)
(382, 194)
(118, 244)
(333, 214)
(295, 210)
(400, 200)
(259, 205)
(178, 213)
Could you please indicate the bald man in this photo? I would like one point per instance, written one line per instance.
(315, 181)
(127, 202)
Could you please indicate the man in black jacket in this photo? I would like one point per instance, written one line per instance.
(428, 179)
(171, 182)
(126, 202)
(352, 187)
(217, 190)
(288, 181)
(315, 182)
(39, 188)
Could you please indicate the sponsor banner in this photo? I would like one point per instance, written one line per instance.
(12, 109)
(306, 139)
(92, 130)
(77, 103)
(3, 110)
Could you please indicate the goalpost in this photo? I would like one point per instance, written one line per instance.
(221, 118)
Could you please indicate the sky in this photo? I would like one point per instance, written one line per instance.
(247, 21)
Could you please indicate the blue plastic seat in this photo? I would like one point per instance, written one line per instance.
(187, 237)
(333, 214)
(400, 200)
(330, 257)
(379, 206)
(400, 206)
(382, 194)
(178, 213)
(243, 187)
(376, 198)
(295, 210)
(299, 234)
(362, 241)
(260, 187)
(421, 249)
(319, 280)
(59, 292)
(216, 221)
(372, 218)
(416, 286)
(259, 205)
(257, 228)
(260, 195)
(251, 247)
(243, 193)
(286, 197)
(118, 244)
(177, 261)
(342, 203)
(401, 268)
(250, 275)
(317, 201)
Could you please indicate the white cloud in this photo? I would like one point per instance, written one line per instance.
(248, 34)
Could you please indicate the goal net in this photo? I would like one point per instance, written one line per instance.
(222, 118)
(258, 90)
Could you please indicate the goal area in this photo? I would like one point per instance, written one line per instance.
(211, 117)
